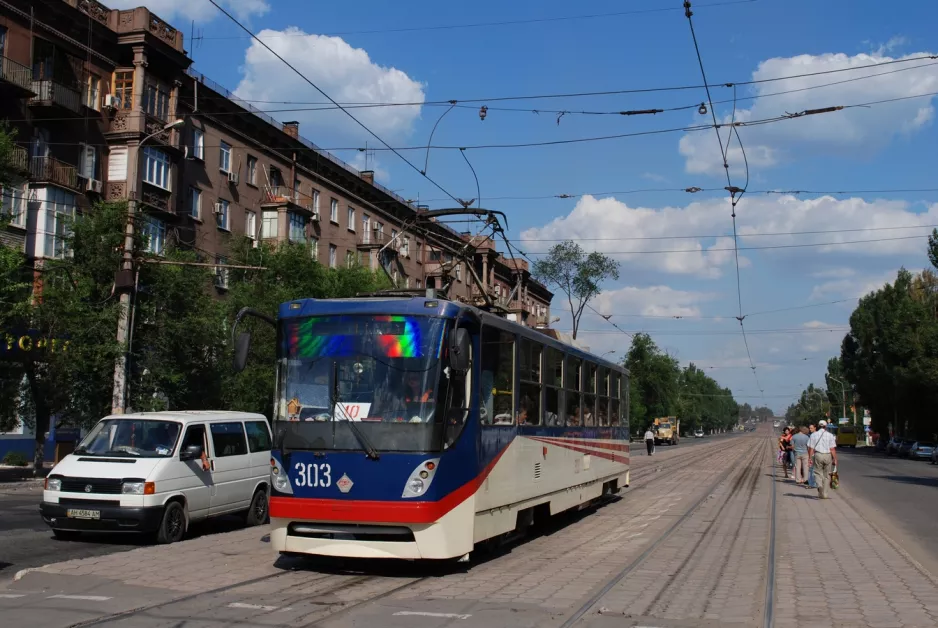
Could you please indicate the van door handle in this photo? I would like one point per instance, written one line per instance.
(211, 464)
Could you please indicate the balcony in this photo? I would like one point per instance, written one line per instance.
(19, 160)
(51, 170)
(277, 196)
(372, 239)
(55, 96)
(16, 78)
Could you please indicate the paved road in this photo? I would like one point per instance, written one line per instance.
(903, 491)
(25, 541)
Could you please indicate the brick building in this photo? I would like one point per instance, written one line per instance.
(105, 105)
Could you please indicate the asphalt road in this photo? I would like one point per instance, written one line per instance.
(897, 492)
(25, 541)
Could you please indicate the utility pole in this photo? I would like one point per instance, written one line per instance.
(127, 298)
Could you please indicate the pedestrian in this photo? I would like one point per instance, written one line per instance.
(799, 444)
(811, 483)
(822, 451)
(784, 442)
(650, 441)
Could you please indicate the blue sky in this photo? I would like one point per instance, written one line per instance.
(882, 147)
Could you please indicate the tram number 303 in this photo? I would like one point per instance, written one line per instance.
(314, 475)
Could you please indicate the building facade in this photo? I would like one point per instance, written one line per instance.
(105, 105)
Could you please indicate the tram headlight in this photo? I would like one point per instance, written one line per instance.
(420, 478)
(278, 477)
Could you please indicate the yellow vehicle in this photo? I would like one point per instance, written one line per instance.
(666, 430)
(846, 435)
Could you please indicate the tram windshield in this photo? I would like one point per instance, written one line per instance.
(382, 373)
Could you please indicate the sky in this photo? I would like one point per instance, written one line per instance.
(836, 202)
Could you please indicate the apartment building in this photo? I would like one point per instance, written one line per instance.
(106, 105)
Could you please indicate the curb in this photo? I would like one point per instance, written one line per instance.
(22, 572)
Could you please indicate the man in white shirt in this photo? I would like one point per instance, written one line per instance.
(822, 454)
(650, 441)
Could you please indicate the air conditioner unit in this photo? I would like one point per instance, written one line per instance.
(112, 101)
(315, 217)
(233, 178)
(218, 209)
(93, 185)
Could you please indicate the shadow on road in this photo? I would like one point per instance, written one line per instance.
(907, 479)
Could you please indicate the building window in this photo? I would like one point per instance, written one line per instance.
(351, 218)
(221, 213)
(333, 251)
(269, 224)
(88, 162)
(297, 227)
(334, 211)
(13, 204)
(92, 92)
(124, 88)
(252, 170)
(195, 203)
(221, 273)
(316, 203)
(296, 190)
(250, 225)
(156, 167)
(458, 272)
(117, 164)
(198, 144)
(418, 282)
(154, 232)
(224, 157)
(59, 213)
(405, 246)
(314, 248)
(349, 259)
(418, 247)
(156, 102)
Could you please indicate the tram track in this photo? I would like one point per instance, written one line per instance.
(745, 481)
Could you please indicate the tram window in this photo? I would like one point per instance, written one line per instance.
(589, 384)
(614, 412)
(573, 409)
(589, 409)
(603, 381)
(572, 373)
(602, 411)
(529, 410)
(614, 384)
(530, 359)
(553, 406)
(497, 380)
(553, 369)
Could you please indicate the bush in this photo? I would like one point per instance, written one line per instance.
(15, 459)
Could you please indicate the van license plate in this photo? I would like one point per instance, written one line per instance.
(83, 514)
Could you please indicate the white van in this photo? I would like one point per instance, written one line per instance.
(156, 472)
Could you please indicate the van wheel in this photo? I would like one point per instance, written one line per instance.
(66, 535)
(257, 514)
(173, 526)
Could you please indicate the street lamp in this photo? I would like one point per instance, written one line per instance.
(119, 397)
(843, 391)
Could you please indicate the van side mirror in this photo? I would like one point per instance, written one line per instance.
(459, 349)
(241, 350)
(192, 452)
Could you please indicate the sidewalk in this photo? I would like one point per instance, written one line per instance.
(835, 569)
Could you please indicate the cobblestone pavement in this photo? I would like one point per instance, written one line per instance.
(687, 545)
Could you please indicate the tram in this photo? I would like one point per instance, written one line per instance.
(415, 428)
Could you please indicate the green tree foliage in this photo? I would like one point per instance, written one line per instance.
(578, 273)
(658, 387)
(812, 406)
(289, 273)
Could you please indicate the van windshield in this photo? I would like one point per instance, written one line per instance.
(141, 438)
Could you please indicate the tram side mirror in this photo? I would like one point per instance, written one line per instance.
(459, 345)
(241, 349)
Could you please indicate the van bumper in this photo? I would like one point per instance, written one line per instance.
(113, 518)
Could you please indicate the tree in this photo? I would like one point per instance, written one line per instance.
(653, 384)
(577, 273)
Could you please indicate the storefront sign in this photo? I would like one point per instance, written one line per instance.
(28, 345)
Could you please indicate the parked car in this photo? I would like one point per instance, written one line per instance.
(892, 447)
(155, 472)
(922, 450)
(906, 448)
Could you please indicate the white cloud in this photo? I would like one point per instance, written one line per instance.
(652, 301)
(857, 132)
(652, 176)
(613, 227)
(195, 9)
(834, 273)
(347, 74)
(817, 325)
(852, 288)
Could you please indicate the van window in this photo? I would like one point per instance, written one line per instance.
(228, 439)
(258, 435)
(195, 435)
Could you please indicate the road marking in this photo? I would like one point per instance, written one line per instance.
(425, 614)
(253, 607)
(88, 598)
(10, 596)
